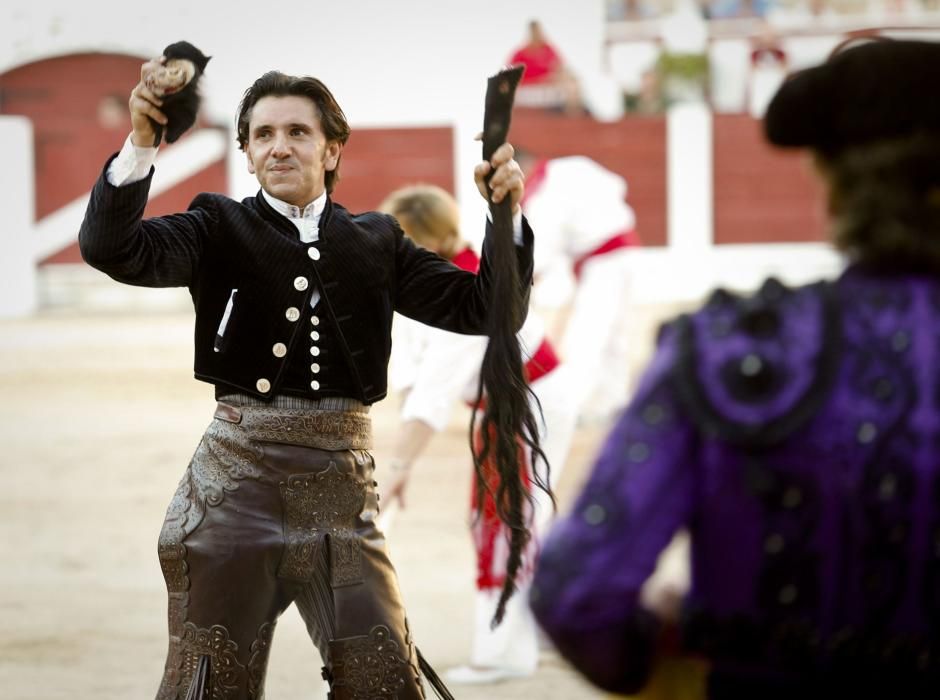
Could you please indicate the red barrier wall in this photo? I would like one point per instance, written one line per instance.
(634, 147)
(762, 194)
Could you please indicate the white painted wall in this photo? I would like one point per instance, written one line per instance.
(17, 271)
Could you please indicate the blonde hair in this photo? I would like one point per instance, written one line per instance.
(428, 215)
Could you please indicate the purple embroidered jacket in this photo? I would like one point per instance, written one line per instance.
(795, 434)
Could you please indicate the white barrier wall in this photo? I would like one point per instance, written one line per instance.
(17, 270)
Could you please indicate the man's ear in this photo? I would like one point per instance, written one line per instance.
(251, 165)
(334, 149)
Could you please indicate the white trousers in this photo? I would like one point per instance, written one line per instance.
(596, 339)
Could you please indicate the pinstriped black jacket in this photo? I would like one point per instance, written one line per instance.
(368, 268)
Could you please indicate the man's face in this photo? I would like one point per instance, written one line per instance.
(287, 150)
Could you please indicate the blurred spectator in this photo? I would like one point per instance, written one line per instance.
(620, 10)
(547, 81)
(795, 432)
(727, 9)
(800, 14)
(769, 67)
(649, 98)
(586, 229)
(433, 370)
(112, 112)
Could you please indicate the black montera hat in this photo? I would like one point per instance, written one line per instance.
(183, 49)
(878, 90)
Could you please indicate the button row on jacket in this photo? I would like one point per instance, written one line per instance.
(301, 284)
(292, 314)
(279, 349)
(263, 385)
(313, 253)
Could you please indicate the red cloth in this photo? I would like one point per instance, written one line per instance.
(468, 260)
(624, 239)
(534, 180)
(490, 535)
(768, 56)
(539, 61)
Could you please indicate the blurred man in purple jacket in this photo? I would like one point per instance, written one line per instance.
(795, 433)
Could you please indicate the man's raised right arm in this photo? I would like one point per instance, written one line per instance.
(114, 237)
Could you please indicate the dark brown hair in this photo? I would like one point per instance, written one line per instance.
(507, 426)
(885, 201)
(277, 84)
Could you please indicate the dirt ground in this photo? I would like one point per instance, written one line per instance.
(100, 415)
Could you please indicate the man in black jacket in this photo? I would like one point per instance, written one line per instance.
(294, 299)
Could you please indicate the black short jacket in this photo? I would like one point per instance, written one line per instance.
(367, 269)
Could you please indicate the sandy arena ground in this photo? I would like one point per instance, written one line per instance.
(100, 415)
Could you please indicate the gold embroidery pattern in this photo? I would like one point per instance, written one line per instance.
(373, 669)
(324, 430)
(182, 516)
(317, 505)
(225, 672)
(216, 644)
(258, 660)
(345, 559)
(224, 457)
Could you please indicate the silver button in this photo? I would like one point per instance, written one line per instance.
(301, 283)
(313, 253)
(279, 349)
(866, 433)
(292, 314)
(751, 366)
(888, 487)
(263, 385)
(315, 368)
(314, 385)
(787, 594)
(315, 320)
(314, 335)
(638, 452)
(594, 514)
(315, 351)
(792, 498)
(774, 544)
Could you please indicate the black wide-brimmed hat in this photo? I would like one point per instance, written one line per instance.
(876, 90)
(183, 49)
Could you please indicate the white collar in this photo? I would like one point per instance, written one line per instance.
(311, 211)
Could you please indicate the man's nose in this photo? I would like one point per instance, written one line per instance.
(280, 145)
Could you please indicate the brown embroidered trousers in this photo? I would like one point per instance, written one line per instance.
(278, 507)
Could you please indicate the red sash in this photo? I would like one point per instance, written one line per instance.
(624, 239)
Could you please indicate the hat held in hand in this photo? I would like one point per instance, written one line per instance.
(176, 81)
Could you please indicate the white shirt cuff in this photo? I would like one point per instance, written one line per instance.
(132, 164)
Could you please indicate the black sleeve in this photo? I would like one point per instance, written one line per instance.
(162, 251)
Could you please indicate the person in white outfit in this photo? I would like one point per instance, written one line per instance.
(434, 370)
(586, 232)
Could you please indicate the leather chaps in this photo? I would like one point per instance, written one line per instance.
(278, 506)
